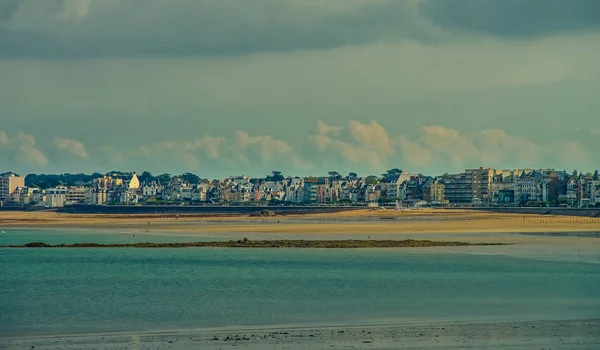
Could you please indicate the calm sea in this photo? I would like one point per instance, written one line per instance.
(51, 291)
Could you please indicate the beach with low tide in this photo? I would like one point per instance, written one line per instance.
(538, 291)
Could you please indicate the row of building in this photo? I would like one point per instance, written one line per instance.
(479, 187)
(522, 186)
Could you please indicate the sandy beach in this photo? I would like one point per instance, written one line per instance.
(562, 334)
(376, 221)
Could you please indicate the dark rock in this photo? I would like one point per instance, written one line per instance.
(263, 213)
(36, 245)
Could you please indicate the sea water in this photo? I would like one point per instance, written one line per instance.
(66, 291)
(21, 236)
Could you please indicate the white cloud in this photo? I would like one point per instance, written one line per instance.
(71, 146)
(415, 154)
(495, 145)
(360, 146)
(437, 144)
(3, 138)
(21, 149)
(184, 152)
(353, 154)
(371, 136)
(367, 143)
(212, 145)
(325, 129)
(448, 142)
(217, 151)
(265, 147)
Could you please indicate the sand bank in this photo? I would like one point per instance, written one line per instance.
(377, 221)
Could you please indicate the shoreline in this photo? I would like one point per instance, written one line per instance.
(570, 333)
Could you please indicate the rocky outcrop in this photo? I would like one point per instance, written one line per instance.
(284, 243)
(265, 213)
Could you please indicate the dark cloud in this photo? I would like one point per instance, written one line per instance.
(204, 27)
(7, 8)
(514, 18)
(86, 28)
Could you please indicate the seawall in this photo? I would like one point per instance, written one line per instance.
(197, 210)
(587, 212)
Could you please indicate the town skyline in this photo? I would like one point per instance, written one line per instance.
(477, 186)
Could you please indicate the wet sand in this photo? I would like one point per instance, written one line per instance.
(565, 334)
(376, 221)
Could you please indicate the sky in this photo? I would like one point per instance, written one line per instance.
(229, 87)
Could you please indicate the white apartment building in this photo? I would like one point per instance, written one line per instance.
(186, 193)
(75, 195)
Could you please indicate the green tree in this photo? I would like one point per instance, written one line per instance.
(352, 176)
(145, 177)
(45, 181)
(191, 178)
(371, 180)
(164, 178)
(275, 176)
(334, 175)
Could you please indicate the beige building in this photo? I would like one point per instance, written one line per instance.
(8, 184)
(107, 182)
(75, 195)
(435, 192)
(26, 196)
(481, 184)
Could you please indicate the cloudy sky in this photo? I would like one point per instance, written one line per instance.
(221, 87)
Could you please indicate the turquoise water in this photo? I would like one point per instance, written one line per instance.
(20, 236)
(51, 291)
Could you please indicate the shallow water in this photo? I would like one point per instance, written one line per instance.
(51, 291)
(20, 236)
